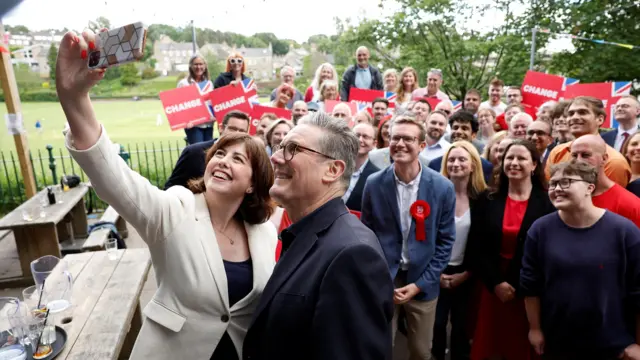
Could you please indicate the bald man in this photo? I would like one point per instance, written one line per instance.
(361, 76)
(299, 110)
(592, 150)
(585, 115)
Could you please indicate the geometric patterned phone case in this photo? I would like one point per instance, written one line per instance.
(118, 46)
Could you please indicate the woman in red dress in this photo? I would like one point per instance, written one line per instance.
(496, 238)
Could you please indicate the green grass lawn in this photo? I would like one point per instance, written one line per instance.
(127, 122)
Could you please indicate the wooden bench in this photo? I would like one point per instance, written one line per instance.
(97, 238)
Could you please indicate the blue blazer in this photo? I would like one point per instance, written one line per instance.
(610, 137)
(381, 214)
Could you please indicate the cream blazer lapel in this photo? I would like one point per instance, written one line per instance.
(262, 244)
(207, 237)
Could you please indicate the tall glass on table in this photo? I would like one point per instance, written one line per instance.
(12, 334)
(53, 288)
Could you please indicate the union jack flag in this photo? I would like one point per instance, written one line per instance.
(620, 88)
(391, 96)
(250, 91)
(569, 82)
(361, 105)
(457, 105)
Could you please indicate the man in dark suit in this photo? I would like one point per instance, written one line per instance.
(411, 209)
(464, 127)
(361, 75)
(330, 295)
(627, 113)
(366, 133)
(190, 164)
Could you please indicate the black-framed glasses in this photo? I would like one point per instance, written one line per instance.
(235, 61)
(564, 183)
(407, 139)
(289, 150)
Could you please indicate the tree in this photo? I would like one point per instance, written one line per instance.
(129, 75)
(214, 65)
(52, 57)
(429, 34)
(102, 23)
(602, 20)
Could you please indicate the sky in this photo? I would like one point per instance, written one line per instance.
(246, 17)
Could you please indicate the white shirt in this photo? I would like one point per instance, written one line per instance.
(463, 224)
(406, 195)
(436, 150)
(499, 109)
(620, 137)
(354, 180)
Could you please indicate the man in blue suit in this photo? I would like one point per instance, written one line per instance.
(411, 209)
(627, 113)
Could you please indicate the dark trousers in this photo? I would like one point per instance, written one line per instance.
(454, 303)
(196, 134)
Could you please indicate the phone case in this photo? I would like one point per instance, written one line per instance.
(118, 46)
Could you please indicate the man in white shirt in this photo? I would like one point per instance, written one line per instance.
(436, 143)
(627, 112)
(366, 134)
(496, 89)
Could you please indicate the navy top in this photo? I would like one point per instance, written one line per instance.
(239, 285)
(634, 187)
(588, 282)
(487, 167)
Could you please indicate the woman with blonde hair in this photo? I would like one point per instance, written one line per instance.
(461, 164)
(234, 72)
(324, 72)
(408, 83)
(390, 78)
(198, 74)
(491, 147)
(211, 245)
(486, 122)
(631, 151)
(329, 90)
(277, 131)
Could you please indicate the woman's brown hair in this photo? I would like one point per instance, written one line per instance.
(538, 179)
(400, 92)
(257, 206)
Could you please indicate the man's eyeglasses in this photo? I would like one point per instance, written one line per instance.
(564, 183)
(289, 150)
(539, 133)
(407, 139)
(235, 61)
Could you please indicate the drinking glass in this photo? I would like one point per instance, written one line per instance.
(111, 245)
(12, 334)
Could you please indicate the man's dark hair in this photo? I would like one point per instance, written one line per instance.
(424, 101)
(380, 100)
(235, 114)
(464, 117)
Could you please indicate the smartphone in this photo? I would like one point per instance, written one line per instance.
(118, 46)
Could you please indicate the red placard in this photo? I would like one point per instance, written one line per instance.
(184, 105)
(259, 110)
(609, 93)
(228, 98)
(364, 97)
(538, 88)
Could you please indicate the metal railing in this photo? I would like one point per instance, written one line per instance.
(154, 161)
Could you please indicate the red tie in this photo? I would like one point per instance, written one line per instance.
(625, 136)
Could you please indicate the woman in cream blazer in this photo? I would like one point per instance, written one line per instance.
(197, 238)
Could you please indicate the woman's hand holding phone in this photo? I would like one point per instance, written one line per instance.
(73, 76)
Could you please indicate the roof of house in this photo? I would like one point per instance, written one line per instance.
(254, 52)
(173, 46)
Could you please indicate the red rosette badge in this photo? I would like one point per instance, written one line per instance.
(420, 210)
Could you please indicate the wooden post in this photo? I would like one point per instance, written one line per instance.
(12, 99)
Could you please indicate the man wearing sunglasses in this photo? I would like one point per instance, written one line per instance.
(330, 295)
(434, 82)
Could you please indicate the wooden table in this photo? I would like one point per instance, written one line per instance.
(41, 235)
(104, 318)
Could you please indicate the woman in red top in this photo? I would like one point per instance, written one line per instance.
(496, 242)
